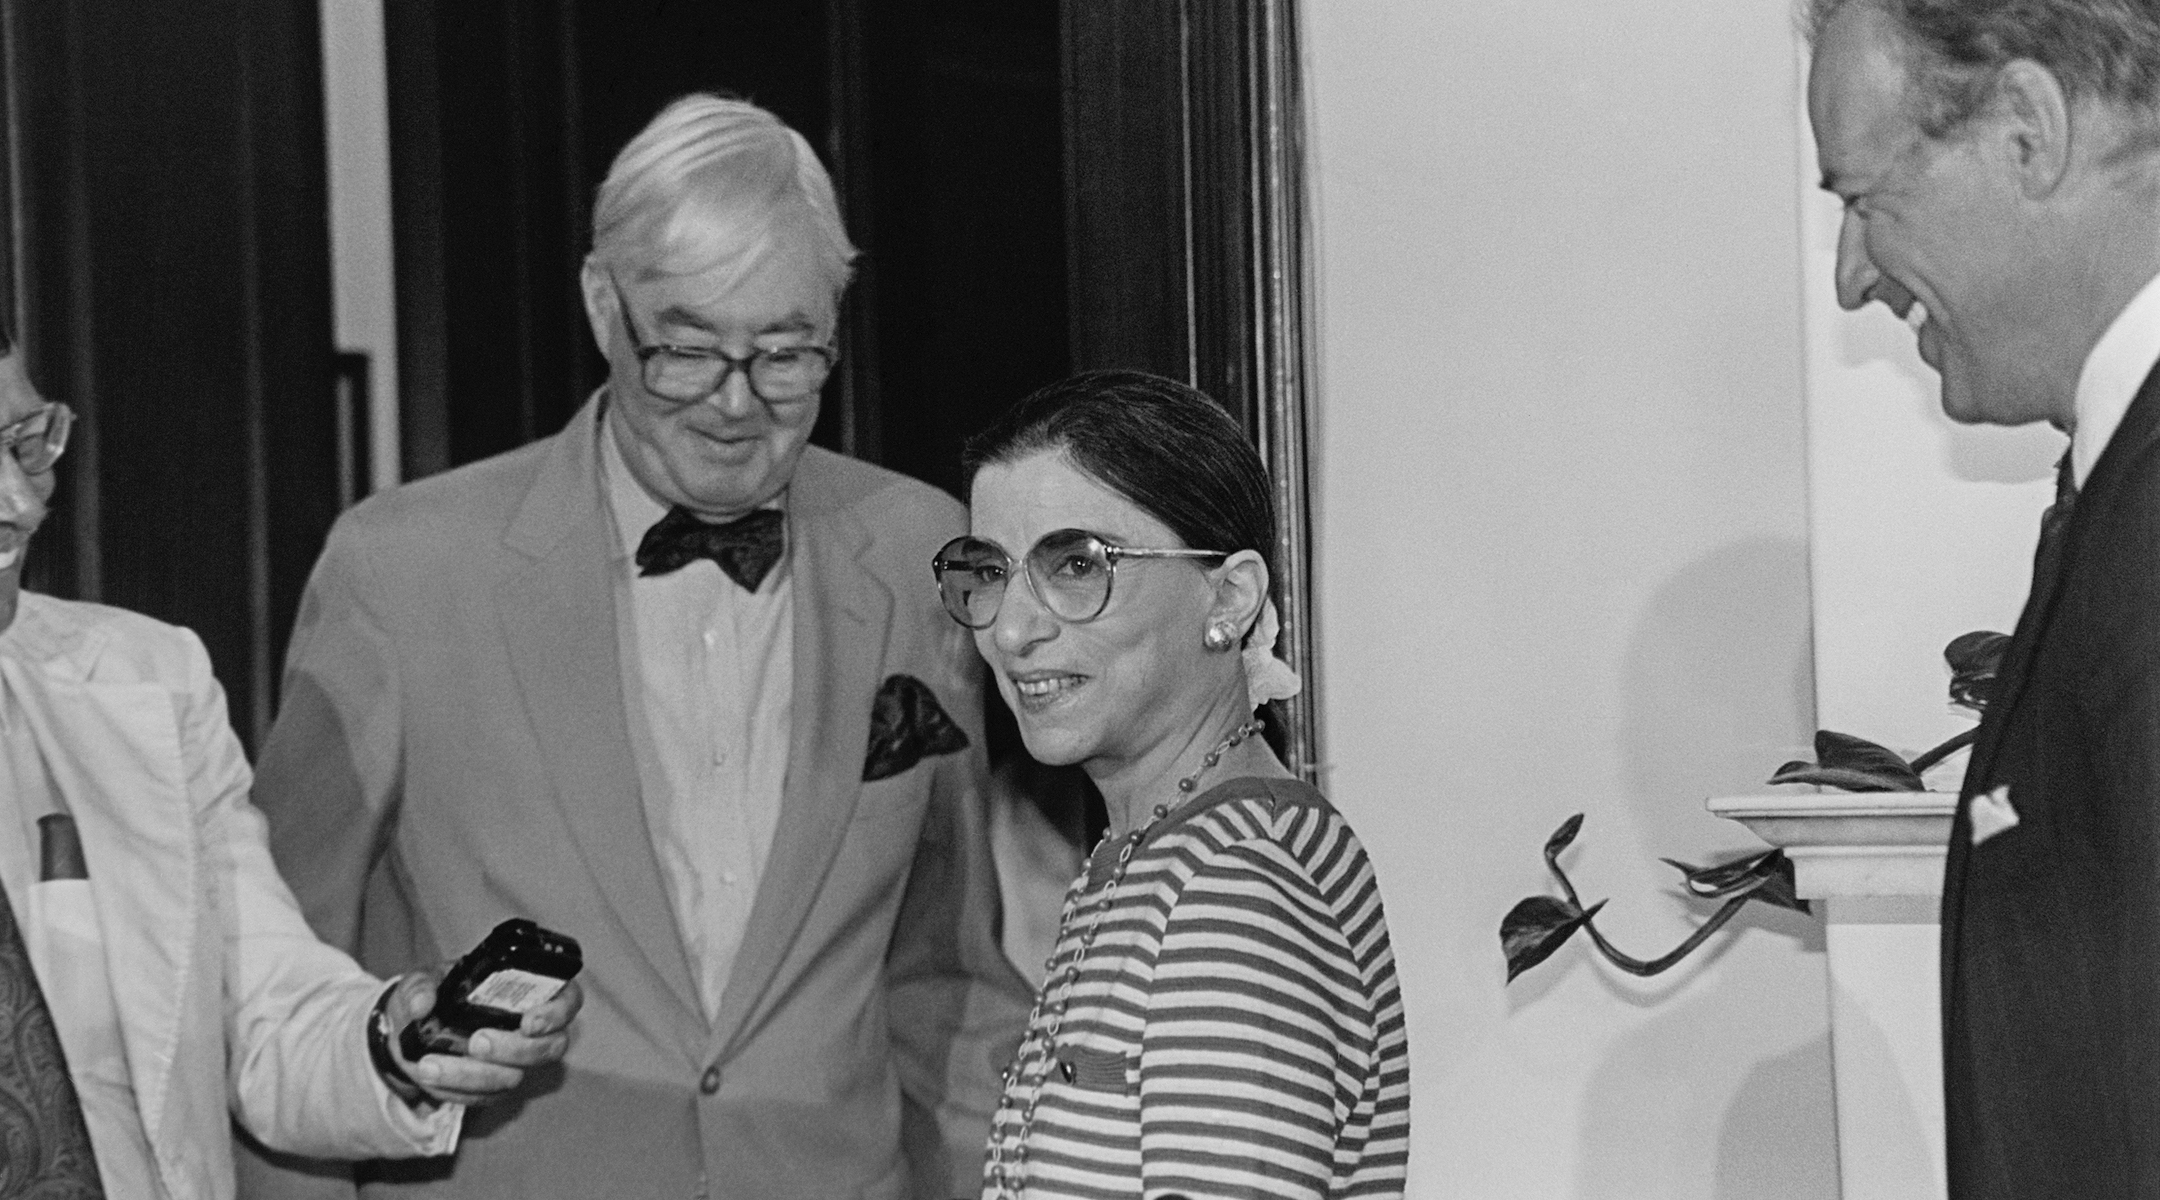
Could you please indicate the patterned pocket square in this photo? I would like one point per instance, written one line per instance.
(907, 726)
(1992, 814)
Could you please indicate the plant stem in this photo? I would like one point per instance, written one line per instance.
(1636, 966)
(1552, 863)
(1921, 764)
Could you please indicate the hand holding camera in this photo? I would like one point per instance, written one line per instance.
(468, 1035)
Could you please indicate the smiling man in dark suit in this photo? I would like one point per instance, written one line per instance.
(1999, 161)
(673, 682)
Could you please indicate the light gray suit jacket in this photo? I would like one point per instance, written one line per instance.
(452, 749)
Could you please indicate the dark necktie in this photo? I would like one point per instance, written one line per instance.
(745, 548)
(2048, 558)
(44, 1145)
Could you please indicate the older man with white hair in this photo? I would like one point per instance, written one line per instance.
(669, 681)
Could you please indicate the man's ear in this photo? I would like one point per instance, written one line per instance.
(600, 304)
(2033, 115)
(1241, 587)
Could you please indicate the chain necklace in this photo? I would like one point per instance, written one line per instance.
(1038, 1050)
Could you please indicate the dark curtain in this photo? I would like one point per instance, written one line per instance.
(172, 257)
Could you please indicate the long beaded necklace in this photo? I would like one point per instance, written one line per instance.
(1039, 1050)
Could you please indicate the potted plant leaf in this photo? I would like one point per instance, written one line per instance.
(1540, 925)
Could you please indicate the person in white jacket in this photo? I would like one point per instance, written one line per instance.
(155, 972)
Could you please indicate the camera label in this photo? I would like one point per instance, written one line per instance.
(512, 990)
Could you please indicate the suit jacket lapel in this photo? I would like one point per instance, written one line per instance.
(114, 753)
(2140, 426)
(558, 619)
(2017, 665)
(842, 613)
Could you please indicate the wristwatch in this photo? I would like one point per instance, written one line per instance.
(393, 1075)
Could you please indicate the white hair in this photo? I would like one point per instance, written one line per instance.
(717, 183)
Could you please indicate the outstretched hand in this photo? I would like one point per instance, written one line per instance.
(495, 1060)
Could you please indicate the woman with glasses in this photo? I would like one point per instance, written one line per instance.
(1220, 1017)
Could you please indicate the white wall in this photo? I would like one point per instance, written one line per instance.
(1563, 564)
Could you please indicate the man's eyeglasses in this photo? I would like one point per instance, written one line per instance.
(1071, 572)
(38, 440)
(778, 375)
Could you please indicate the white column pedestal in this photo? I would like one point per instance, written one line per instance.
(1872, 864)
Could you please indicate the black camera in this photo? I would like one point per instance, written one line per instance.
(517, 968)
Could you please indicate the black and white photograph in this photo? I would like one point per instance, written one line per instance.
(1079, 599)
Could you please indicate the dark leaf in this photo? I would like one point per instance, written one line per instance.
(1535, 928)
(1975, 659)
(1564, 835)
(1724, 879)
(1777, 883)
(1845, 779)
(1767, 877)
(1557, 843)
(1854, 764)
(1843, 750)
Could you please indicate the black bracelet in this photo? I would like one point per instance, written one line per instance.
(386, 1063)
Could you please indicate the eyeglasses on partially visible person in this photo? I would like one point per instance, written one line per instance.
(125, 882)
(1071, 571)
(37, 441)
(779, 376)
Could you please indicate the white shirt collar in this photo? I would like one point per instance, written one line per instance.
(634, 509)
(2112, 375)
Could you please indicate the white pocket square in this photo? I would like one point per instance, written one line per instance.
(1991, 814)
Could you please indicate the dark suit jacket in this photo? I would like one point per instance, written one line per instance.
(2051, 929)
(452, 749)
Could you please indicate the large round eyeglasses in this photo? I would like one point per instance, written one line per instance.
(778, 375)
(38, 440)
(1070, 571)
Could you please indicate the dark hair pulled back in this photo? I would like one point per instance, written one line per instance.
(1167, 447)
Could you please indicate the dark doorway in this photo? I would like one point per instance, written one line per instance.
(170, 267)
(1038, 185)
(941, 121)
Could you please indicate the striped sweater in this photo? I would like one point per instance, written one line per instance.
(1233, 1028)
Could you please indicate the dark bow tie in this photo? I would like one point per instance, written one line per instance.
(745, 548)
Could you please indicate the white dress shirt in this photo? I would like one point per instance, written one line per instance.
(60, 929)
(709, 688)
(2112, 375)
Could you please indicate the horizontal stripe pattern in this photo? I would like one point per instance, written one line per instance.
(1242, 976)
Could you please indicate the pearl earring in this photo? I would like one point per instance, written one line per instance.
(1218, 637)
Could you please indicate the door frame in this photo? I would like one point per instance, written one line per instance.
(1189, 254)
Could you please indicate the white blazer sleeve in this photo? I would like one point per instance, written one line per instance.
(297, 1066)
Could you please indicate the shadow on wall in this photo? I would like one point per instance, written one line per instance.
(1720, 689)
(1724, 1092)
(1770, 1146)
(1772, 1128)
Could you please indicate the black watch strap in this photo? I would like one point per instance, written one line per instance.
(386, 1063)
